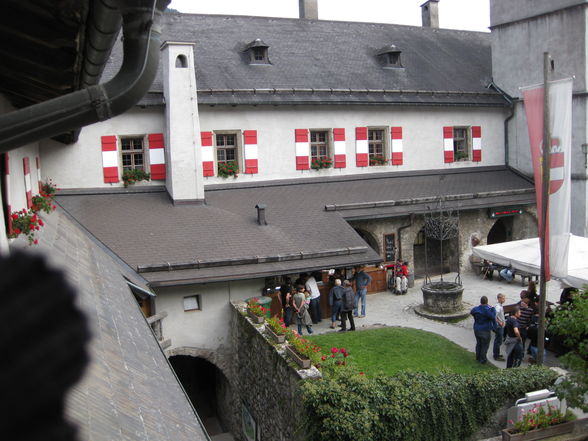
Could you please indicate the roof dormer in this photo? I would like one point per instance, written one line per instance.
(257, 52)
(389, 57)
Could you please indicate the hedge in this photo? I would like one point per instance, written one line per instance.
(411, 405)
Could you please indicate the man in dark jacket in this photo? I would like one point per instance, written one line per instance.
(484, 323)
(335, 301)
(348, 304)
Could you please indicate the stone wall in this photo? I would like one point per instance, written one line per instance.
(265, 381)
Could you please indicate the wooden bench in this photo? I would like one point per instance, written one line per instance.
(526, 276)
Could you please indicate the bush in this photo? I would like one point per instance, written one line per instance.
(412, 405)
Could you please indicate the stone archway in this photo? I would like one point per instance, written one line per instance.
(369, 239)
(208, 390)
(501, 231)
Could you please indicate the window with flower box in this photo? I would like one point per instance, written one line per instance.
(377, 146)
(132, 153)
(461, 143)
(228, 153)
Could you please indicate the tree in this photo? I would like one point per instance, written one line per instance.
(570, 321)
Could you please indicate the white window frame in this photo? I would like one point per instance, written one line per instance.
(385, 144)
(468, 144)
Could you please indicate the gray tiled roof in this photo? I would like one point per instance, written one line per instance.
(129, 391)
(320, 55)
(146, 228)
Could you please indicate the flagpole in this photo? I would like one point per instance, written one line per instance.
(544, 208)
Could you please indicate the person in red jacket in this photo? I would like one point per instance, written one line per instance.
(401, 277)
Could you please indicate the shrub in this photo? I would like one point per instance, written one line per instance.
(412, 405)
(571, 322)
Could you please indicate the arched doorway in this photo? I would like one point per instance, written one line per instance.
(501, 231)
(207, 388)
(433, 261)
(370, 240)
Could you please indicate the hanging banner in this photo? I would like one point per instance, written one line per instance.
(557, 232)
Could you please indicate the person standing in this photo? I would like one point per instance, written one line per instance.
(513, 342)
(362, 280)
(499, 330)
(315, 298)
(335, 301)
(484, 323)
(347, 308)
(301, 310)
(287, 301)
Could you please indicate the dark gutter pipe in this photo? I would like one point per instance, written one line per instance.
(141, 42)
(509, 99)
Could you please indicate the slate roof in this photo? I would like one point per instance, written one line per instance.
(304, 216)
(128, 392)
(320, 61)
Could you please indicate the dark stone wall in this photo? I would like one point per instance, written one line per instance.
(264, 380)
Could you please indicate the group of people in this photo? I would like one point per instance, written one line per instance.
(300, 301)
(398, 277)
(514, 331)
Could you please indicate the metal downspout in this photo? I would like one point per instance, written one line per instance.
(509, 99)
(141, 41)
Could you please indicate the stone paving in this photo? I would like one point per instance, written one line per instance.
(388, 309)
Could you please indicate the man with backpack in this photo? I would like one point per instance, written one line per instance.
(347, 307)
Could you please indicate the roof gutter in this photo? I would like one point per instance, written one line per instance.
(141, 41)
(510, 100)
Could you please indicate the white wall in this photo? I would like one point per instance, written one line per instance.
(79, 165)
(422, 135)
(206, 328)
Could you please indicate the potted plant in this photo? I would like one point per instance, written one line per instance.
(301, 351)
(255, 311)
(226, 169)
(378, 160)
(27, 223)
(276, 329)
(539, 423)
(323, 162)
(132, 175)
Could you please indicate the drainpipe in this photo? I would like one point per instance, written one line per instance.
(509, 99)
(400, 229)
(141, 41)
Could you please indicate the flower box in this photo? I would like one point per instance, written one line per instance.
(558, 429)
(302, 362)
(256, 319)
(275, 337)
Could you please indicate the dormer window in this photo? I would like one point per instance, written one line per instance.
(257, 52)
(389, 57)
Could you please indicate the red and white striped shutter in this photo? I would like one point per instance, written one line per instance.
(250, 152)
(157, 156)
(339, 148)
(109, 159)
(476, 143)
(207, 153)
(302, 149)
(39, 181)
(448, 144)
(7, 190)
(27, 179)
(361, 147)
(397, 153)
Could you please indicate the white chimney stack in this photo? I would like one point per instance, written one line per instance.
(308, 9)
(430, 14)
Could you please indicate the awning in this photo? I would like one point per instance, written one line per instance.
(524, 255)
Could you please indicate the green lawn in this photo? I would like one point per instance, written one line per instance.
(389, 350)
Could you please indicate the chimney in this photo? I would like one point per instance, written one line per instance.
(430, 14)
(261, 214)
(308, 9)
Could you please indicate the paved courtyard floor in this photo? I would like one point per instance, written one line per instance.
(387, 309)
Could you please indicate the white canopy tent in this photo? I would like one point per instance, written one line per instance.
(525, 255)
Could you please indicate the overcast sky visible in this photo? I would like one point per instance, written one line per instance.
(470, 15)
